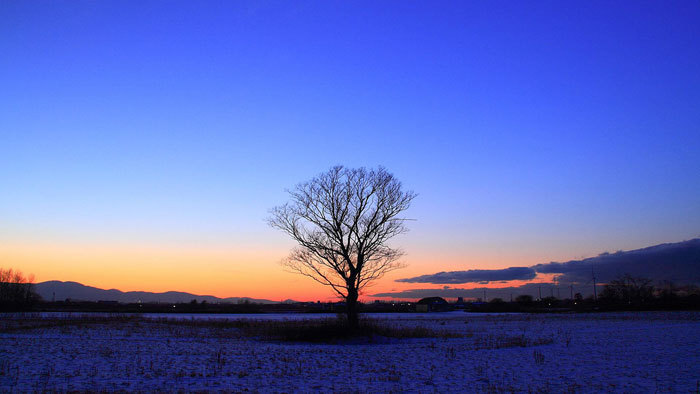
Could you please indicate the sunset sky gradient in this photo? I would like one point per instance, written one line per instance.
(143, 143)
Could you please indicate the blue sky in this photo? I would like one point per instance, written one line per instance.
(531, 132)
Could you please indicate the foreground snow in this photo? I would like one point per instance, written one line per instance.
(629, 352)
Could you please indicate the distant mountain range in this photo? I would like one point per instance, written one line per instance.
(59, 291)
(677, 263)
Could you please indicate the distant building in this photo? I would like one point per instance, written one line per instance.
(433, 304)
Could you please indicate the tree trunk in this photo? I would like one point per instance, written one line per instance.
(351, 302)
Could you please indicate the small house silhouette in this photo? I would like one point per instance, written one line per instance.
(433, 304)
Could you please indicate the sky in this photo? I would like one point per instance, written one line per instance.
(143, 143)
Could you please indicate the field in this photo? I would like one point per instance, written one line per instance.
(622, 352)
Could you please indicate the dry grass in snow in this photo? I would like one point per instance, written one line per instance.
(625, 352)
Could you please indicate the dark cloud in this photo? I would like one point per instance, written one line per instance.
(474, 276)
(677, 262)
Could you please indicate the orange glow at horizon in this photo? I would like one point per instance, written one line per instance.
(219, 271)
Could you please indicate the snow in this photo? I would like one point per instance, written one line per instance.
(620, 352)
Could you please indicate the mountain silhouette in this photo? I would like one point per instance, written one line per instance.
(75, 291)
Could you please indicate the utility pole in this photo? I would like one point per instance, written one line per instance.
(595, 292)
(484, 295)
(539, 291)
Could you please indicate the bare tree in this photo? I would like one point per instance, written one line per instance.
(629, 289)
(16, 290)
(342, 220)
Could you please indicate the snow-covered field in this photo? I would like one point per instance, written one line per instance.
(623, 352)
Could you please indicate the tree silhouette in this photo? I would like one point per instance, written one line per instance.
(16, 290)
(342, 220)
(628, 289)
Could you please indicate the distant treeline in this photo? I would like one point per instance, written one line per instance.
(626, 292)
(206, 307)
(552, 304)
(188, 307)
(623, 293)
